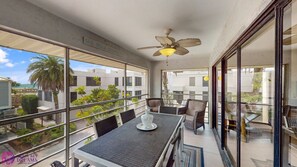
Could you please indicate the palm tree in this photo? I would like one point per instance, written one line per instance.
(48, 74)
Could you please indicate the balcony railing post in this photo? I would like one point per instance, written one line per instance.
(67, 105)
(125, 88)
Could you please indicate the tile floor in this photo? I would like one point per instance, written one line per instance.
(206, 140)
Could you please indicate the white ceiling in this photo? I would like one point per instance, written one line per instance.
(134, 23)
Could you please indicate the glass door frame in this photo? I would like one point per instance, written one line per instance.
(274, 10)
(237, 54)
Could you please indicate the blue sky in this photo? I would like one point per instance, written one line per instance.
(14, 63)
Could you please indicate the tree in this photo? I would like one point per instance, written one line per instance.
(15, 84)
(81, 90)
(166, 96)
(48, 74)
(255, 96)
(97, 95)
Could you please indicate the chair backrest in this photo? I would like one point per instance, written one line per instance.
(127, 115)
(290, 112)
(195, 105)
(173, 153)
(168, 110)
(104, 126)
(57, 164)
(231, 107)
(154, 103)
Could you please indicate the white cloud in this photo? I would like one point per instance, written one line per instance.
(23, 62)
(3, 55)
(9, 65)
(18, 76)
(4, 60)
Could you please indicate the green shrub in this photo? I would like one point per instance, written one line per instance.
(32, 139)
(21, 112)
(29, 105)
(72, 127)
(36, 139)
(37, 126)
(59, 131)
(56, 132)
(24, 131)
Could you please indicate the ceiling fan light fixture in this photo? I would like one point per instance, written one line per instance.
(167, 51)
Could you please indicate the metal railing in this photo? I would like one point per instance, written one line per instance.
(139, 107)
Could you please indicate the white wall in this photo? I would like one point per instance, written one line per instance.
(244, 12)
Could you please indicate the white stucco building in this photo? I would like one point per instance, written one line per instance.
(5, 93)
(136, 84)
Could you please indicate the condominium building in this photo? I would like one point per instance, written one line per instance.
(136, 84)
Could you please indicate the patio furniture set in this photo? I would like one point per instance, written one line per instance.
(126, 145)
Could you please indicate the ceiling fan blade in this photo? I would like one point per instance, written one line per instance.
(172, 39)
(290, 40)
(181, 51)
(189, 42)
(292, 30)
(149, 47)
(157, 53)
(165, 40)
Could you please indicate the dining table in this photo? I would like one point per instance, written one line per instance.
(127, 146)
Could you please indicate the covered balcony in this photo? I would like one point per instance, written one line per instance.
(221, 76)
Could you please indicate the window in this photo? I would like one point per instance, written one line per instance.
(138, 81)
(116, 81)
(139, 87)
(192, 81)
(73, 96)
(182, 80)
(93, 81)
(73, 82)
(138, 93)
(192, 94)
(204, 82)
(39, 94)
(128, 81)
(48, 96)
(205, 95)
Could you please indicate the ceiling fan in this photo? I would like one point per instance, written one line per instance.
(169, 46)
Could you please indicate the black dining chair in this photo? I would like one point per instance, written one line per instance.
(176, 156)
(127, 115)
(57, 164)
(168, 110)
(104, 126)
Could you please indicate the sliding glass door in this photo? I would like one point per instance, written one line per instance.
(257, 97)
(231, 109)
(218, 94)
(289, 95)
